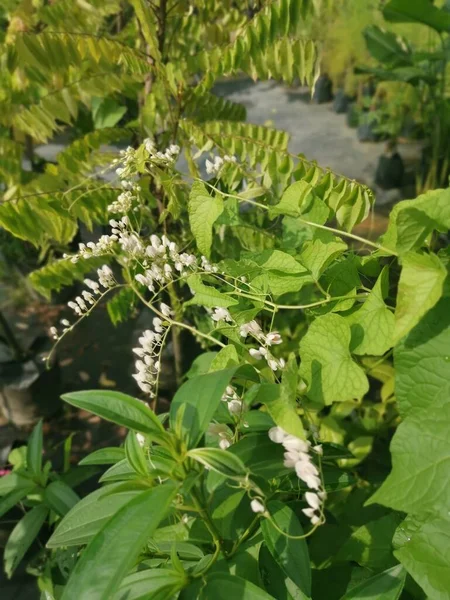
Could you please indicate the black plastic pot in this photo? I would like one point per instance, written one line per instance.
(28, 390)
(390, 171)
(341, 102)
(323, 91)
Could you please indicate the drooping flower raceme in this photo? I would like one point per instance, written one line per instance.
(298, 457)
(148, 364)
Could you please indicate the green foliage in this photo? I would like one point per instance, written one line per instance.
(269, 476)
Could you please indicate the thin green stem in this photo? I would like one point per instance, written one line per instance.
(174, 323)
(316, 225)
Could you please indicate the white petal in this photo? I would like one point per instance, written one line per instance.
(277, 435)
(313, 500)
(257, 506)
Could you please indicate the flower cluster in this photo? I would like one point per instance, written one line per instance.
(235, 404)
(148, 364)
(83, 303)
(297, 456)
(266, 340)
(214, 167)
(161, 259)
(128, 161)
(124, 202)
(166, 158)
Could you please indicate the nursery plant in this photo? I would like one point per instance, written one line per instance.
(305, 452)
(424, 69)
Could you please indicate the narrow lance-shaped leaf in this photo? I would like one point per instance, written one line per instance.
(34, 450)
(135, 454)
(221, 461)
(60, 497)
(22, 536)
(115, 548)
(118, 408)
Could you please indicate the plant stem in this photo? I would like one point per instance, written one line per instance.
(316, 225)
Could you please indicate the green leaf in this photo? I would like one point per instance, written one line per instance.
(387, 585)
(419, 11)
(371, 544)
(34, 450)
(60, 273)
(275, 580)
(199, 398)
(422, 545)
(372, 325)
(226, 357)
(106, 112)
(148, 26)
(420, 287)
(222, 586)
(60, 497)
(118, 408)
(259, 454)
(412, 221)
(14, 481)
(418, 482)
(121, 306)
(292, 555)
(15, 496)
(135, 454)
(322, 250)
(296, 196)
(221, 461)
(22, 536)
(422, 362)
(88, 516)
(103, 456)
(203, 212)
(281, 400)
(115, 548)
(151, 584)
(385, 46)
(206, 295)
(326, 363)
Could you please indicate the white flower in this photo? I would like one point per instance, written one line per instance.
(165, 309)
(224, 444)
(255, 353)
(305, 468)
(309, 512)
(141, 439)
(221, 314)
(273, 364)
(273, 338)
(315, 519)
(257, 506)
(251, 327)
(65, 322)
(291, 442)
(235, 407)
(313, 500)
(290, 459)
(318, 449)
(54, 333)
(157, 325)
(277, 435)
